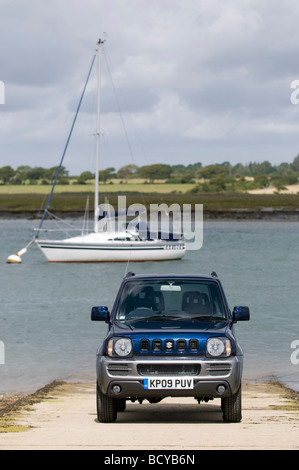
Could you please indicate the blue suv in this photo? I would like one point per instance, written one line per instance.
(169, 335)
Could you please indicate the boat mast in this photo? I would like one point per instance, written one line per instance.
(65, 149)
(96, 195)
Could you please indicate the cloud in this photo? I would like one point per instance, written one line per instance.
(195, 81)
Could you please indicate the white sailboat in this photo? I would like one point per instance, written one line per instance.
(108, 246)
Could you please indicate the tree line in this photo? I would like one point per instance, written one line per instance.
(209, 178)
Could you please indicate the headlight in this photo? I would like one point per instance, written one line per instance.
(218, 347)
(120, 347)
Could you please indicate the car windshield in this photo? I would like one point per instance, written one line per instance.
(156, 300)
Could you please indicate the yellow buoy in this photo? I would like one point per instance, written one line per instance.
(16, 259)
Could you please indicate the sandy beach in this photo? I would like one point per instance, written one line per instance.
(289, 189)
(63, 417)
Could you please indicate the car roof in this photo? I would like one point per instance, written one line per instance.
(133, 276)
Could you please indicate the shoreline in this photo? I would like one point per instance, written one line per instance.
(62, 416)
(266, 214)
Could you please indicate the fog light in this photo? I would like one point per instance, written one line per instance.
(116, 389)
(221, 389)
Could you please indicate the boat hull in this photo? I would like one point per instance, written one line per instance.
(65, 252)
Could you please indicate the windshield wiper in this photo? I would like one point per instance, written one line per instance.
(208, 318)
(153, 318)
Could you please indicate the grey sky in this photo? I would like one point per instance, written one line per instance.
(199, 80)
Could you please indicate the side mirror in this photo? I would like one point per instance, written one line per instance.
(100, 314)
(241, 314)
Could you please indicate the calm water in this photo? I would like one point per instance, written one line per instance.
(45, 308)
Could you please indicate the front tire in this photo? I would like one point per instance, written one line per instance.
(232, 407)
(106, 407)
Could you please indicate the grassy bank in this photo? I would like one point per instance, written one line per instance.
(63, 202)
(116, 187)
(11, 407)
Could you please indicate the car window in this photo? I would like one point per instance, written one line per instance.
(182, 298)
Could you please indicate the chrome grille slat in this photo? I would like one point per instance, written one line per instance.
(157, 345)
(118, 369)
(144, 345)
(219, 369)
(193, 345)
(181, 345)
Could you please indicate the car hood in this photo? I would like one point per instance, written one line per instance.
(160, 338)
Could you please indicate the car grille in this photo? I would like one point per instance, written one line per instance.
(118, 369)
(169, 345)
(168, 369)
(221, 368)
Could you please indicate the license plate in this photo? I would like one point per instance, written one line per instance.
(168, 383)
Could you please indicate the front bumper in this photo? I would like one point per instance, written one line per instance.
(208, 374)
